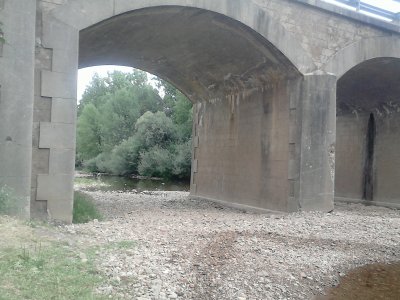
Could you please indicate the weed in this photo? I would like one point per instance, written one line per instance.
(84, 209)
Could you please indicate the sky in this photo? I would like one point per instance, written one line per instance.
(85, 75)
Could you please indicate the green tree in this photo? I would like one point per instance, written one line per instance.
(182, 116)
(119, 115)
(125, 128)
(94, 94)
(100, 88)
(155, 129)
(178, 107)
(89, 135)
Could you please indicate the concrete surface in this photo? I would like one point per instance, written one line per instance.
(16, 96)
(371, 88)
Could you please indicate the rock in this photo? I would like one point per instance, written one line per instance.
(83, 257)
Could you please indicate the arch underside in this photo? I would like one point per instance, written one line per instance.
(371, 90)
(239, 82)
(205, 54)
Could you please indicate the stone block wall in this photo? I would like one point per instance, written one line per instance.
(54, 116)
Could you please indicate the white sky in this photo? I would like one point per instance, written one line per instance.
(85, 75)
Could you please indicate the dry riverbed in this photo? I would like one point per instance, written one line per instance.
(162, 245)
(169, 247)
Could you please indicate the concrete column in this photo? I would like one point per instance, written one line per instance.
(317, 118)
(55, 117)
(16, 96)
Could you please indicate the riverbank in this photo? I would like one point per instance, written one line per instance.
(162, 245)
(193, 249)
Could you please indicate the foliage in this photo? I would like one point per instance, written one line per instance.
(10, 204)
(100, 89)
(126, 128)
(182, 160)
(156, 162)
(124, 158)
(89, 137)
(155, 129)
(84, 210)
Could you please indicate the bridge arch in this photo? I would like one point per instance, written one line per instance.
(81, 14)
(250, 80)
(361, 51)
(368, 121)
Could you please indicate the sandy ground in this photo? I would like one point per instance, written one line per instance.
(177, 248)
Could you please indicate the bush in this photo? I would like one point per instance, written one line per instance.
(84, 209)
(155, 129)
(156, 162)
(125, 157)
(9, 203)
(182, 160)
(98, 164)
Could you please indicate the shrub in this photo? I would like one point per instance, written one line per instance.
(155, 129)
(84, 209)
(155, 162)
(182, 160)
(124, 157)
(98, 164)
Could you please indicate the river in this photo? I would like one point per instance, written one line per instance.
(126, 184)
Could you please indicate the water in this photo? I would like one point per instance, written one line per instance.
(375, 281)
(125, 184)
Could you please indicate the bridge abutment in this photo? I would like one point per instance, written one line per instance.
(271, 148)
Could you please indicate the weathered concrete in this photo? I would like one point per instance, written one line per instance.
(262, 75)
(16, 96)
(369, 90)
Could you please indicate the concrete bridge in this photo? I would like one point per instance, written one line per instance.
(296, 102)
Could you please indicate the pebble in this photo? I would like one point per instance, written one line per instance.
(191, 249)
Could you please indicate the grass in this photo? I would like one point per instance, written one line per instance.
(52, 272)
(89, 182)
(36, 268)
(84, 209)
(85, 180)
(35, 264)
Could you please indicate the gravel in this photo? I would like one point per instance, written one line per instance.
(163, 245)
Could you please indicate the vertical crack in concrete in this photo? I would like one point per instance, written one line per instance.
(368, 175)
